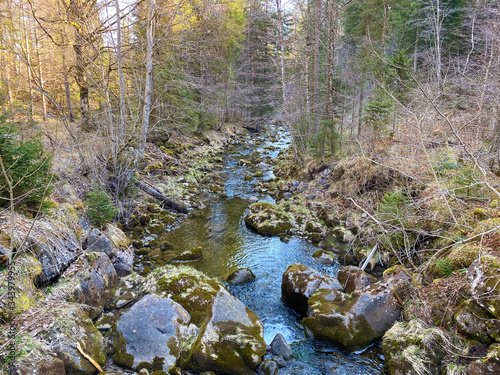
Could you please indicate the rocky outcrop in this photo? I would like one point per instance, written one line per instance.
(265, 218)
(99, 242)
(95, 279)
(152, 332)
(471, 321)
(231, 341)
(300, 282)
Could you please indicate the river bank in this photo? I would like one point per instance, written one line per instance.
(324, 216)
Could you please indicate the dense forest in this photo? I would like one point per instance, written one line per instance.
(379, 123)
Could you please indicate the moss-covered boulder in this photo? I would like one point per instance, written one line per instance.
(94, 278)
(25, 271)
(231, 341)
(484, 276)
(76, 327)
(299, 283)
(324, 256)
(412, 348)
(343, 234)
(488, 365)
(471, 321)
(190, 288)
(352, 321)
(462, 256)
(265, 218)
(352, 278)
(152, 333)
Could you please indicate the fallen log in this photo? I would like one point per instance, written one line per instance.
(165, 201)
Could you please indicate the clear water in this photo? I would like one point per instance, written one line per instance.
(229, 245)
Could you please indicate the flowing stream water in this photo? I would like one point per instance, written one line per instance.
(229, 245)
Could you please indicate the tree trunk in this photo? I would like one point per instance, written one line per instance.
(83, 87)
(316, 65)
(165, 201)
(123, 122)
(41, 77)
(149, 77)
(71, 117)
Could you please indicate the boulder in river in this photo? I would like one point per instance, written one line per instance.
(231, 341)
(299, 283)
(191, 255)
(152, 332)
(240, 276)
(268, 367)
(265, 218)
(324, 256)
(279, 347)
(352, 321)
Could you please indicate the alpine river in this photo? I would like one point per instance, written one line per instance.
(229, 245)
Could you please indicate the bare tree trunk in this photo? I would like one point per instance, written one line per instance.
(149, 77)
(123, 122)
(360, 110)
(384, 27)
(40, 74)
(27, 55)
(316, 65)
(71, 117)
(437, 23)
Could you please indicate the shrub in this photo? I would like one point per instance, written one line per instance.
(100, 208)
(27, 168)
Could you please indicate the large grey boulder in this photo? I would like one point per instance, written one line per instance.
(153, 331)
(299, 283)
(231, 341)
(353, 321)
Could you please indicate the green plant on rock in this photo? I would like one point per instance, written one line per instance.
(100, 208)
(24, 176)
(444, 267)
